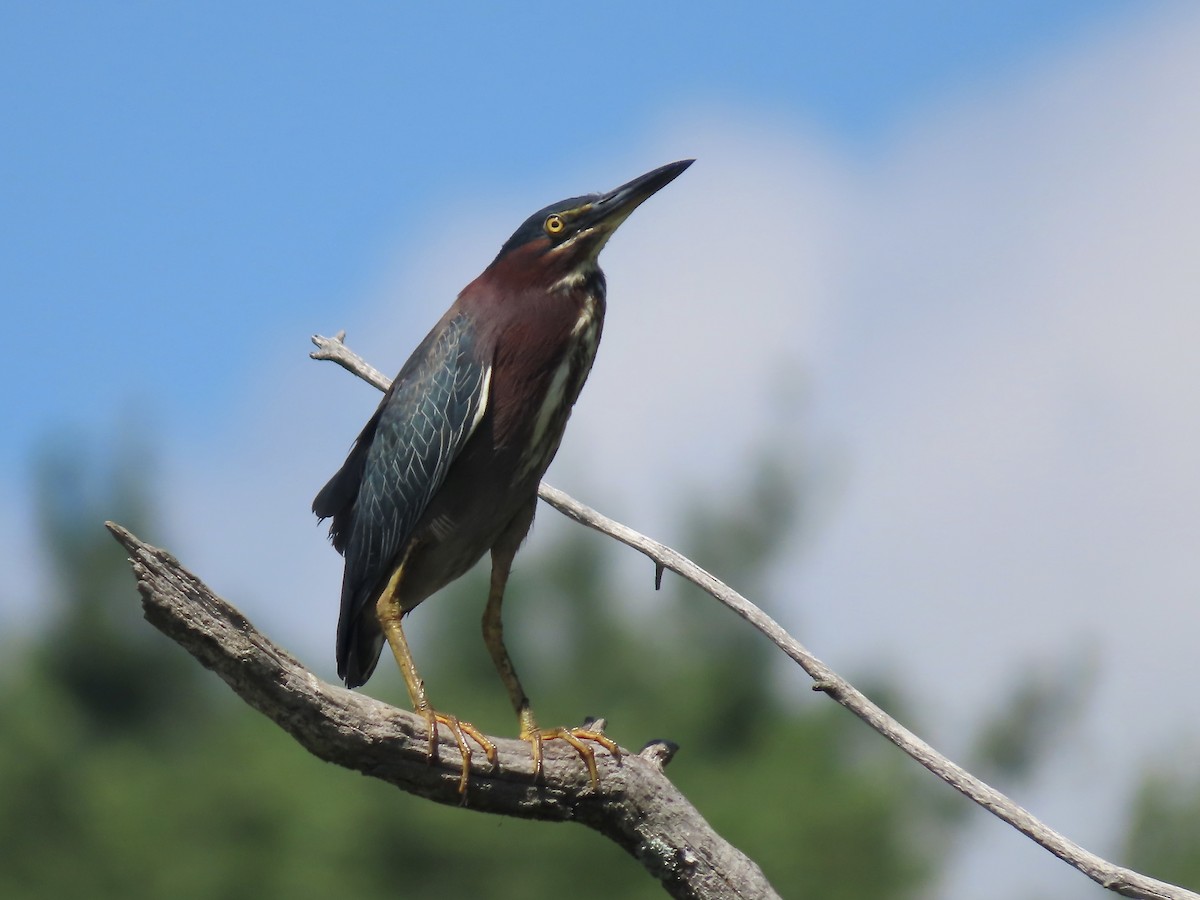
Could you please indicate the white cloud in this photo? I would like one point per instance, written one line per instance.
(1016, 381)
(998, 321)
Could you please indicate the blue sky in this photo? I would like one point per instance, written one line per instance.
(174, 172)
(962, 236)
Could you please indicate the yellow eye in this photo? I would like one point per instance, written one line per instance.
(554, 224)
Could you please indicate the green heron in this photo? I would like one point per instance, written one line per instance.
(448, 467)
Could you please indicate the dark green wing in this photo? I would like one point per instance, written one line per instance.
(394, 469)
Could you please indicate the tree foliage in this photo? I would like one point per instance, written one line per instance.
(128, 772)
(1164, 829)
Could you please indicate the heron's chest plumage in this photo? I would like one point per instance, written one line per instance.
(570, 373)
(536, 388)
(538, 365)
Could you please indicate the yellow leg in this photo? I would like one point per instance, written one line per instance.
(493, 636)
(389, 614)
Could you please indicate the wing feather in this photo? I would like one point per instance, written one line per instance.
(397, 464)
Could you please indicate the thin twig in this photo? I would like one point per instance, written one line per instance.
(1113, 877)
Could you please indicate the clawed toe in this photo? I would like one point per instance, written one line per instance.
(576, 738)
(460, 730)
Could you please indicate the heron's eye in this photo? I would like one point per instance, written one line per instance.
(554, 224)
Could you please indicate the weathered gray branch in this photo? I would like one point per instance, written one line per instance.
(1115, 878)
(634, 803)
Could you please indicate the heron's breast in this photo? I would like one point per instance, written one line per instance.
(563, 388)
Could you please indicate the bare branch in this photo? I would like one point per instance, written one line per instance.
(634, 804)
(335, 350)
(1115, 878)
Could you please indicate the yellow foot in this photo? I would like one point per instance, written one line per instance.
(460, 731)
(576, 738)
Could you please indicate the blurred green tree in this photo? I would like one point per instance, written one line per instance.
(127, 772)
(120, 677)
(1163, 839)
